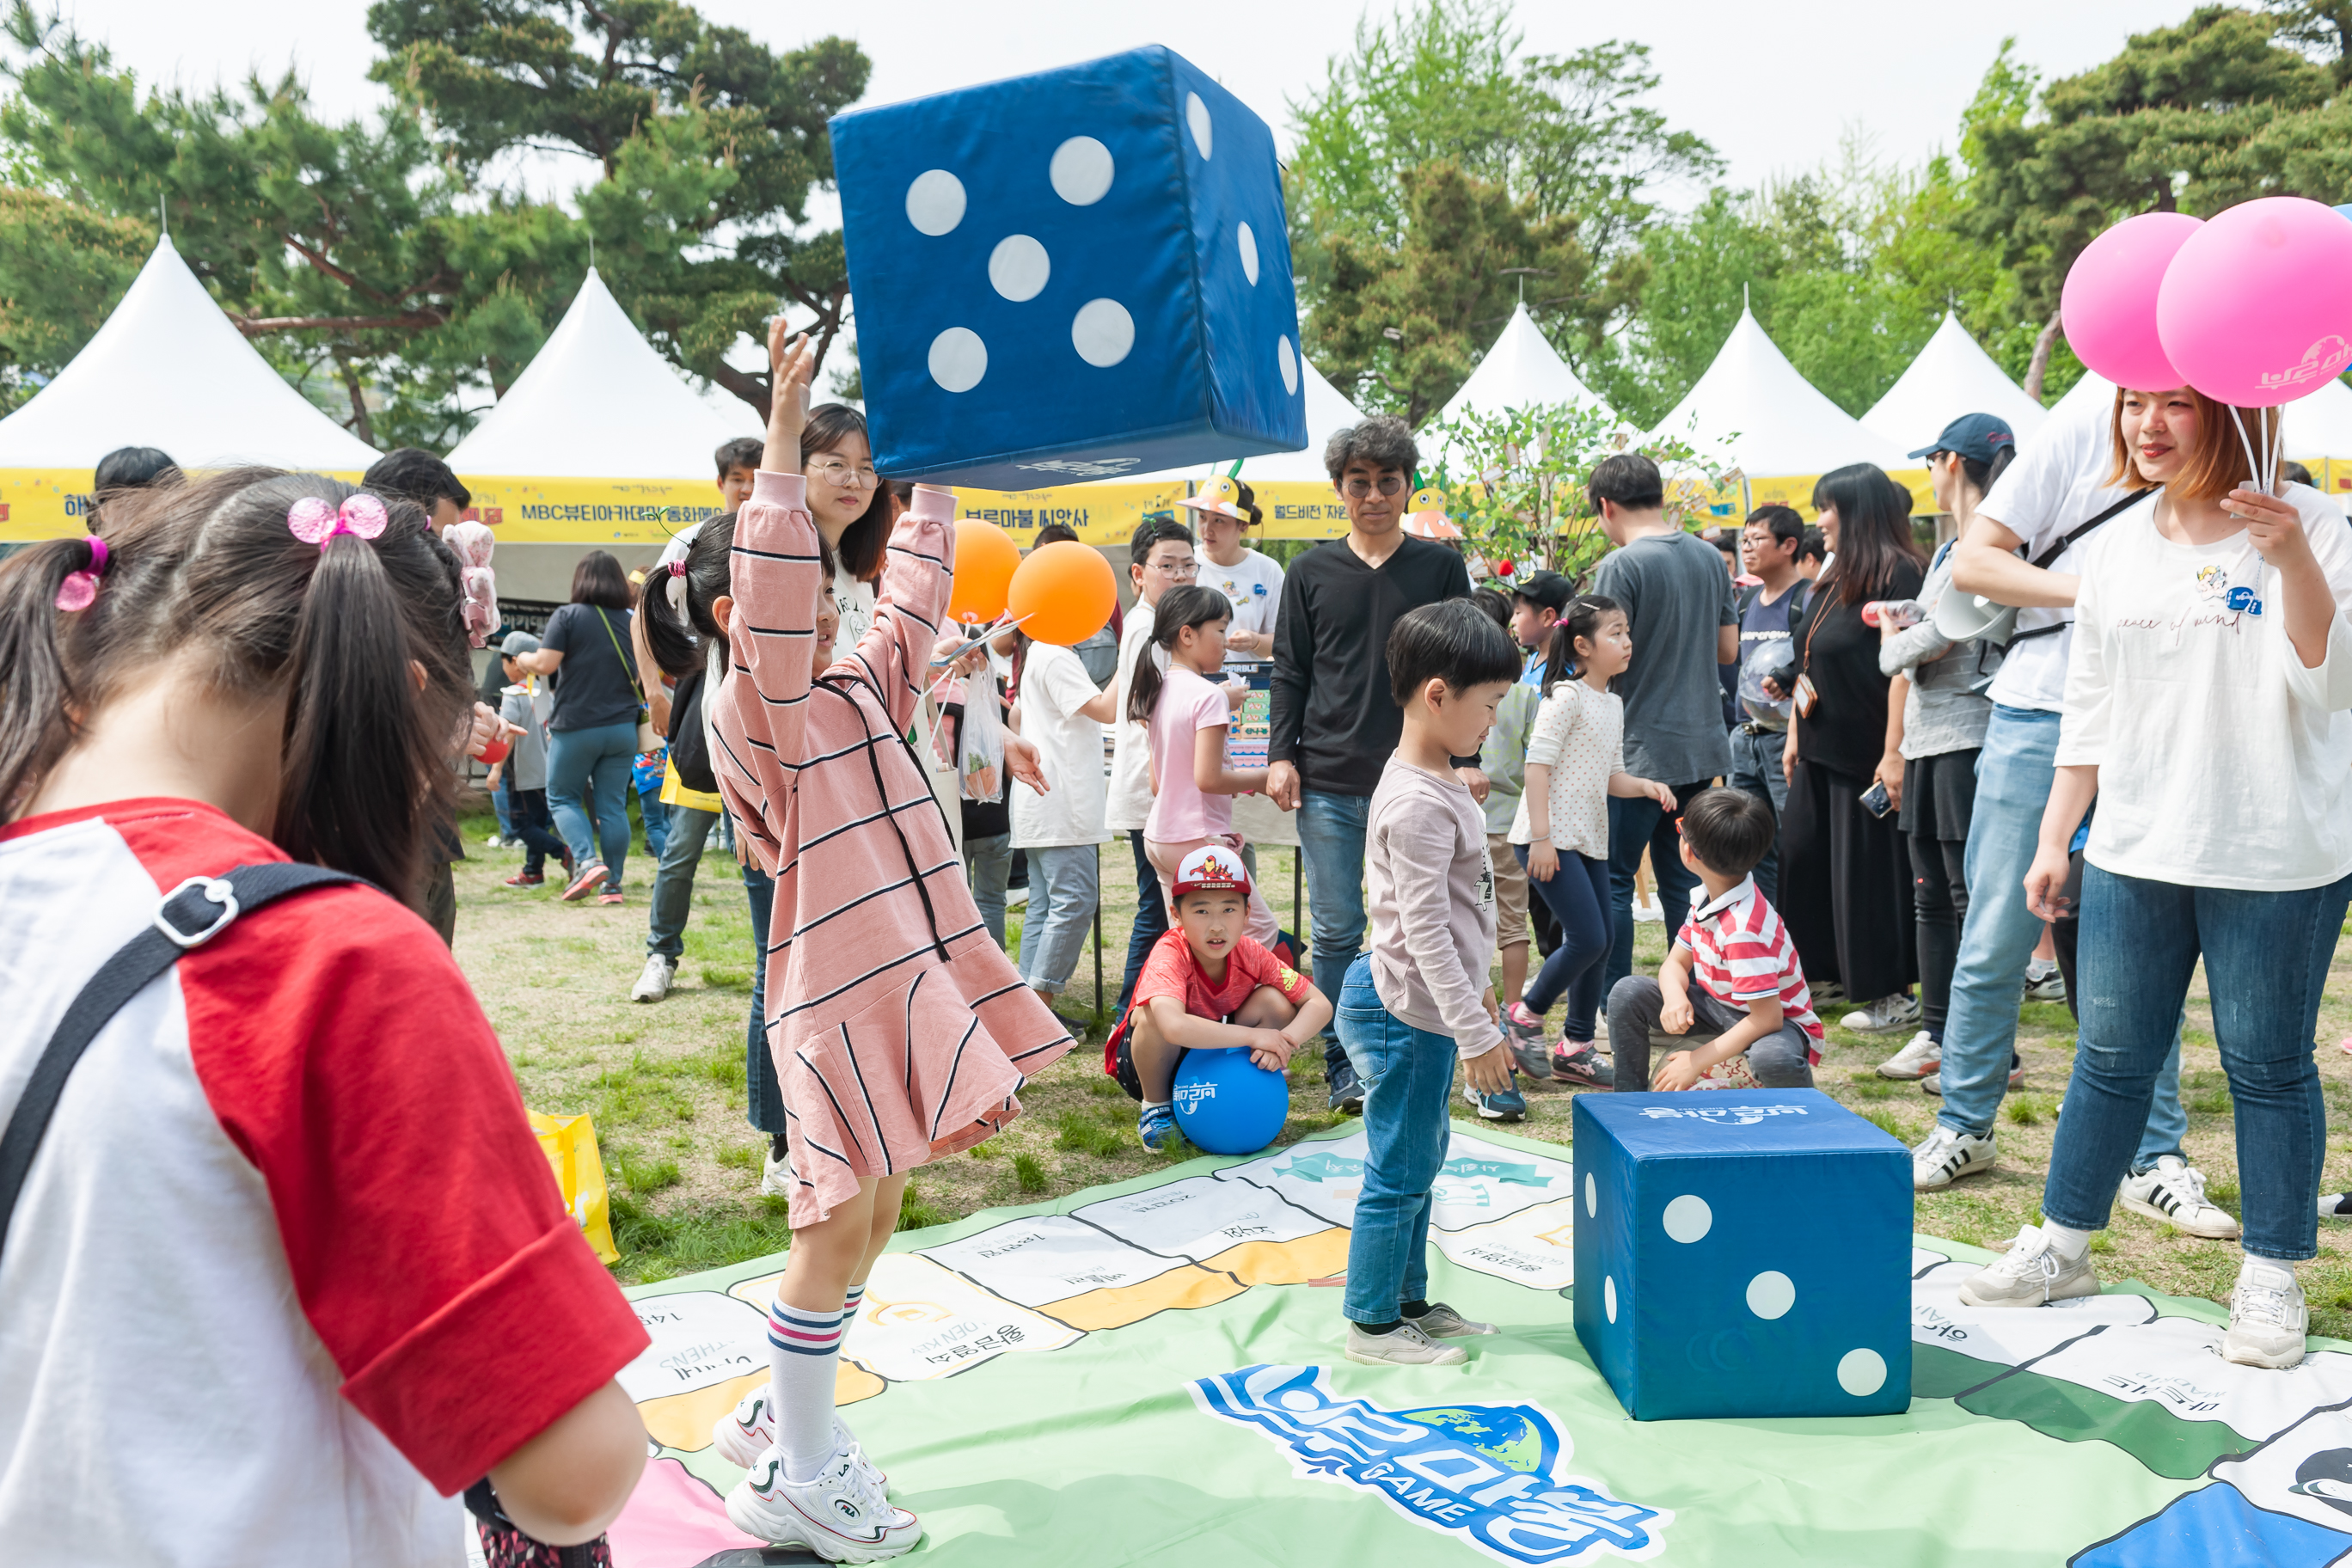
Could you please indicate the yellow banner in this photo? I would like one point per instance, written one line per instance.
(1733, 501)
(590, 511)
(1108, 514)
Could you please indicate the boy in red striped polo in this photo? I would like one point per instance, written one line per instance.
(1731, 994)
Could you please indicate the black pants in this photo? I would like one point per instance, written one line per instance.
(1778, 1060)
(1939, 896)
(441, 900)
(1845, 886)
(532, 822)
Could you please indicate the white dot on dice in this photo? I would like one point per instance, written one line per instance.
(1688, 1217)
(1248, 243)
(1018, 267)
(1081, 170)
(958, 359)
(1862, 1373)
(1287, 358)
(1196, 115)
(1770, 1294)
(1102, 332)
(1591, 1192)
(1609, 1296)
(935, 202)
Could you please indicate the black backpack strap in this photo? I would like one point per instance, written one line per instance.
(191, 915)
(2067, 540)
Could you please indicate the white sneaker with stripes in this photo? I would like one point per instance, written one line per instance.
(2174, 1192)
(1944, 1156)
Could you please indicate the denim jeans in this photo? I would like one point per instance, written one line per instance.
(1331, 848)
(2266, 957)
(1063, 891)
(498, 805)
(1636, 824)
(1781, 1059)
(764, 1093)
(590, 768)
(1151, 921)
(988, 867)
(689, 829)
(1756, 770)
(2014, 771)
(657, 816)
(527, 811)
(1578, 897)
(1407, 1076)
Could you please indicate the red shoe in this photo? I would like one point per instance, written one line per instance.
(526, 880)
(612, 898)
(591, 876)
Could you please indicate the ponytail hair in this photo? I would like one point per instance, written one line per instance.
(211, 570)
(677, 603)
(1179, 607)
(1581, 618)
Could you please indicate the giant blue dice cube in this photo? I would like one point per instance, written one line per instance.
(1070, 276)
(1742, 1254)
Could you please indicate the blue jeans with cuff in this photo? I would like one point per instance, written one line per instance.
(1408, 1078)
(2266, 956)
(1063, 892)
(1331, 851)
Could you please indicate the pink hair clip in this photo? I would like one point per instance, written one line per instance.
(313, 521)
(79, 590)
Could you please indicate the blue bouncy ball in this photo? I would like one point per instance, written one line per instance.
(1226, 1103)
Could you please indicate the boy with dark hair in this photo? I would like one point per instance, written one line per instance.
(415, 475)
(1208, 986)
(1749, 1023)
(738, 460)
(1420, 996)
(1160, 557)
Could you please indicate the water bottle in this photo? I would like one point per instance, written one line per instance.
(1895, 613)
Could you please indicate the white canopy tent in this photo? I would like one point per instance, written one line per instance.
(1951, 376)
(167, 369)
(1521, 370)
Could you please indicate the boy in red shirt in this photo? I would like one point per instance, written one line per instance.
(1207, 983)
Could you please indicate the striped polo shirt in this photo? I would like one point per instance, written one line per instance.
(1741, 953)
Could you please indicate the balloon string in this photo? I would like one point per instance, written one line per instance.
(2254, 464)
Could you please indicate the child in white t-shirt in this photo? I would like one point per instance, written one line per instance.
(1058, 709)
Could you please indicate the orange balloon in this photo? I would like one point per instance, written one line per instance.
(985, 560)
(1066, 591)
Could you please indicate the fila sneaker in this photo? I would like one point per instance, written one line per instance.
(743, 1433)
(841, 1514)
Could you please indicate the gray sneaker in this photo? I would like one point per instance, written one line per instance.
(1443, 1323)
(2030, 1274)
(1405, 1345)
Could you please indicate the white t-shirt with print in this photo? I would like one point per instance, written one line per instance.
(2057, 482)
(2222, 762)
(1253, 585)
(1129, 805)
(1054, 687)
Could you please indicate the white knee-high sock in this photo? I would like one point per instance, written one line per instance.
(803, 1350)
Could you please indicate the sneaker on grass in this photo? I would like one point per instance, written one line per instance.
(775, 1175)
(590, 878)
(2174, 1192)
(841, 1514)
(612, 896)
(525, 880)
(1524, 1031)
(1945, 1156)
(1918, 1060)
(1346, 1092)
(1583, 1063)
(1405, 1345)
(2033, 1274)
(2267, 1317)
(2044, 982)
(1503, 1105)
(1154, 1123)
(654, 985)
(2335, 1205)
(1885, 1016)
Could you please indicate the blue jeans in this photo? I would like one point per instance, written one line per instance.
(2266, 957)
(589, 768)
(498, 805)
(1407, 1075)
(1331, 851)
(657, 816)
(1063, 892)
(688, 830)
(2014, 771)
(527, 810)
(1756, 770)
(1578, 897)
(763, 1094)
(988, 867)
(1151, 921)
(1636, 824)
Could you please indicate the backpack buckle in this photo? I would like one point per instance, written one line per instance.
(218, 891)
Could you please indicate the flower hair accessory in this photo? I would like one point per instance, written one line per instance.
(313, 522)
(80, 589)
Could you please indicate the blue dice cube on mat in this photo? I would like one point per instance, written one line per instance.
(1075, 275)
(1742, 1254)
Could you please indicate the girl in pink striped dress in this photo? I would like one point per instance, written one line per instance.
(900, 1030)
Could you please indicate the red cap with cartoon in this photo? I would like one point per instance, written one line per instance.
(1212, 870)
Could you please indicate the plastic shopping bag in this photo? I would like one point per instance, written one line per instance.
(571, 1145)
(981, 754)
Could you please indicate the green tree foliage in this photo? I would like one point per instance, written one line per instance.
(62, 268)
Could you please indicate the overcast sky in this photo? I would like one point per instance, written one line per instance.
(1773, 85)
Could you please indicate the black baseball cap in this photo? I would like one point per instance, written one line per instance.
(1548, 589)
(1976, 436)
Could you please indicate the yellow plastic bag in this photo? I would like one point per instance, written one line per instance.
(571, 1145)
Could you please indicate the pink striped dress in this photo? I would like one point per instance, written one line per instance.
(900, 1031)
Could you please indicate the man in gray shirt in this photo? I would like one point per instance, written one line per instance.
(1678, 601)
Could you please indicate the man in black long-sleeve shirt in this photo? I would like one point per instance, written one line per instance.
(1335, 720)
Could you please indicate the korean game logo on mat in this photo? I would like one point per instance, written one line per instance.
(1482, 1473)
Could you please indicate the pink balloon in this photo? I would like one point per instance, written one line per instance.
(2257, 308)
(2108, 306)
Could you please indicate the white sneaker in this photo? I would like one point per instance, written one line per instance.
(1884, 1017)
(654, 983)
(1945, 1156)
(2335, 1205)
(744, 1433)
(1405, 1345)
(2033, 1274)
(2044, 983)
(1650, 913)
(2267, 1317)
(842, 1515)
(1916, 1060)
(775, 1177)
(2175, 1193)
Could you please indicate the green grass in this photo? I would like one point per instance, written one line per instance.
(1030, 1171)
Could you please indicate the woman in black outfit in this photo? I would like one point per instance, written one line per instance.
(1845, 872)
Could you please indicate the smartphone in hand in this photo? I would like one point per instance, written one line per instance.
(1876, 800)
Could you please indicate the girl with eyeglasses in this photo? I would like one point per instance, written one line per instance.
(852, 508)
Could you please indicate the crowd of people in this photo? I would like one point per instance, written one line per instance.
(1853, 779)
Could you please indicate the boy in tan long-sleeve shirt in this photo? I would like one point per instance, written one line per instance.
(1420, 996)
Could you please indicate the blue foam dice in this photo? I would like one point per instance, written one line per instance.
(1742, 1252)
(1075, 275)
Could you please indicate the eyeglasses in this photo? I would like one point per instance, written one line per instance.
(1188, 567)
(834, 471)
(1359, 489)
